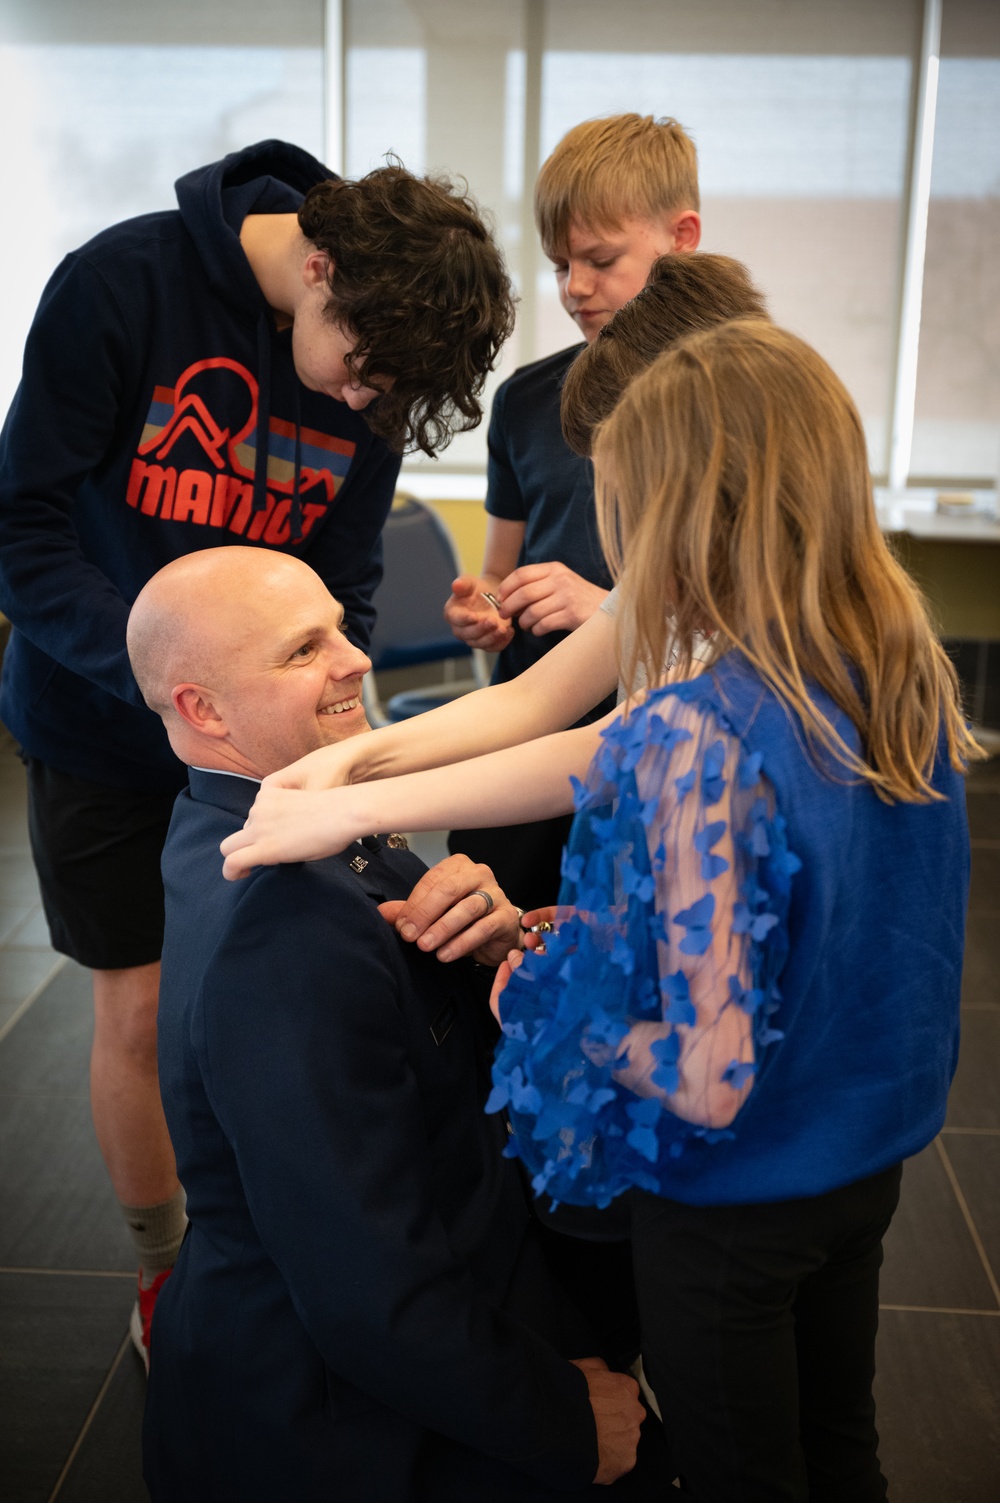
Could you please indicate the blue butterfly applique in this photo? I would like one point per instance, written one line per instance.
(677, 995)
(696, 921)
(713, 784)
(711, 866)
(666, 1052)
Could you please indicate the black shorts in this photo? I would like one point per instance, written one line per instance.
(97, 852)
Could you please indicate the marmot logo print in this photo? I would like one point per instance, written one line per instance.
(189, 469)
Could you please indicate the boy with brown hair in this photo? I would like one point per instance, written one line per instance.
(614, 195)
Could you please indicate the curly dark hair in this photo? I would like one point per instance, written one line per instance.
(683, 293)
(416, 276)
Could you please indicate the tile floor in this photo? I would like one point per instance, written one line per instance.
(71, 1388)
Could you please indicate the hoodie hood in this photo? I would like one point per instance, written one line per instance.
(269, 178)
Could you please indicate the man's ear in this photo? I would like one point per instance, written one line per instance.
(687, 231)
(194, 705)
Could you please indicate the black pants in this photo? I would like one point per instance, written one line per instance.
(452, 1473)
(758, 1330)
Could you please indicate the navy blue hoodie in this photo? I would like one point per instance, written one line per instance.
(159, 413)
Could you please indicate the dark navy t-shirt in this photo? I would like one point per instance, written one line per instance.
(535, 478)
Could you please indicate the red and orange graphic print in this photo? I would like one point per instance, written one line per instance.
(188, 468)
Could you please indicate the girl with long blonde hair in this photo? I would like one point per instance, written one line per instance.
(748, 1016)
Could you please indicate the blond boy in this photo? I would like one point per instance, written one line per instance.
(613, 196)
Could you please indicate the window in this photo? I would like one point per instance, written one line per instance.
(110, 102)
(956, 432)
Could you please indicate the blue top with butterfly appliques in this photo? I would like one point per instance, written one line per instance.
(752, 994)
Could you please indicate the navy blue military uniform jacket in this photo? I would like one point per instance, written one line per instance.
(335, 1324)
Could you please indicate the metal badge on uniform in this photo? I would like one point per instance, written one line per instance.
(358, 863)
(443, 1023)
(397, 842)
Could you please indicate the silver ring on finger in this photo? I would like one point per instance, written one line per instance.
(479, 893)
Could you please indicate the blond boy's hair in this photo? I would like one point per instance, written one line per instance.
(606, 171)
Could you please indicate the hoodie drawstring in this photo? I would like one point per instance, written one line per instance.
(264, 429)
(263, 411)
(296, 517)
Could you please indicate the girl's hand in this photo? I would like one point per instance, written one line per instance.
(329, 767)
(288, 825)
(533, 920)
(504, 973)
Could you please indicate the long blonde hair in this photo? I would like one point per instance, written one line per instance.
(734, 498)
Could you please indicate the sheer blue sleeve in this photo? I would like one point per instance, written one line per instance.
(649, 1014)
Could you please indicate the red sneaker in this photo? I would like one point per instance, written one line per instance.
(142, 1315)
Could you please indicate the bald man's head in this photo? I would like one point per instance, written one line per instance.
(241, 651)
(189, 620)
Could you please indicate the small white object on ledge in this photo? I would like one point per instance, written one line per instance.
(945, 516)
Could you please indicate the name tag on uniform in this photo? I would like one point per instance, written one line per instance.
(444, 1022)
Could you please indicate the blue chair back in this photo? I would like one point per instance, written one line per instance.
(420, 564)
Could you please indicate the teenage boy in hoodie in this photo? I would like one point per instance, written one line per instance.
(245, 368)
(614, 195)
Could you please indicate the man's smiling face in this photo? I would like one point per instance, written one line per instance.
(293, 683)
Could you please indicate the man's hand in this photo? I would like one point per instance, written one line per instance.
(548, 597)
(614, 1398)
(472, 618)
(447, 913)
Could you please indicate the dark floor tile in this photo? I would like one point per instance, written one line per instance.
(13, 782)
(984, 815)
(7, 1011)
(23, 970)
(13, 778)
(984, 888)
(976, 1162)
(108, 1466)
(930, 1258)
(58, 1338)
(59, 1208)
(936, 1389)
(48, 1049)
(975, 1096)
(32, 932)
(13, 834)
(18, 882)
(981, 970)
(13, 916)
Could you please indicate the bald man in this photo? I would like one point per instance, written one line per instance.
(359, 1311)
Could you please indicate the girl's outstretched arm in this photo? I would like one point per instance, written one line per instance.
(506, 787)
(553, 693)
